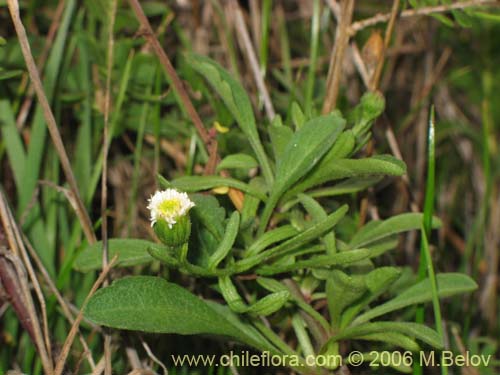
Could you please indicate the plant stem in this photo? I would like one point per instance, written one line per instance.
(313, 57)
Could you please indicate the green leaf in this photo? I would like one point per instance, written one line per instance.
(462, 18)
(415, 330)
(209, 213)
(237, 161)
(231, 295)
(151, 304)
(226, 244)
(131, 252)
(349, 186)
(265, 306)
(377, 282)
(12, 141)
(271, 285)
(392, 338)
(270, 303)
(238, 103)
(342, 148)
(199, 183)
(296, 242)
(7, 74)
(318, 213)
(280, 137)
(341, 291)
(165, 255)
(254, 337)
(251, 204)
(304, 150)
(449, 284)
(331, 170)
(370, 107)
(270, 237)
(298, 117)
(376, 230)
(443, 19)
(319, 261)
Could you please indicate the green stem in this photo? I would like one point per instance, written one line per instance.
(426, 266)
(264, 42)
(313, 57)
(281, 345)
(302, 336)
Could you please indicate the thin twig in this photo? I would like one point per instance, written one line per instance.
(360, 64)
(248, 50)
(28, 101)
(335, 8)
(424, 11)
(335, 68)
(387, 40)
(49, 118)
(99, 368)
(61, 360)
(62, 302)
(154, 358)
(148, 33)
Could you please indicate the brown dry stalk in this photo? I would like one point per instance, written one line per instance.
(49, 118)
(10, 283)
(62, 302)
(335, 68)
(99, 368)
(424, 11)
(61, 360)
(387, 40)
(28, 101)
(22, 263)
(148, 33)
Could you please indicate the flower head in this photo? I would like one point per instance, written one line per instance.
(169, 205)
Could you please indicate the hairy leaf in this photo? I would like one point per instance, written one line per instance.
(131, 252)
(449, 284)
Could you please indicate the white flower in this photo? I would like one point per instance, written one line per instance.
(169, 205)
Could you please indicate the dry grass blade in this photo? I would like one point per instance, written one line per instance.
(248, 50)
(22, 264)
(61, 360)
(387, 39)
(26, 106)
(49, 117)
(335, 68)
(11, 290)
(62, 302)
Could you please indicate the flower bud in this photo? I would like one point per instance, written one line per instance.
(170, 216)
(177, 234)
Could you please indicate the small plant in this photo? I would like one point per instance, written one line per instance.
(286, 257)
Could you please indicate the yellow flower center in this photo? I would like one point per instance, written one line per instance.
(170, 207)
